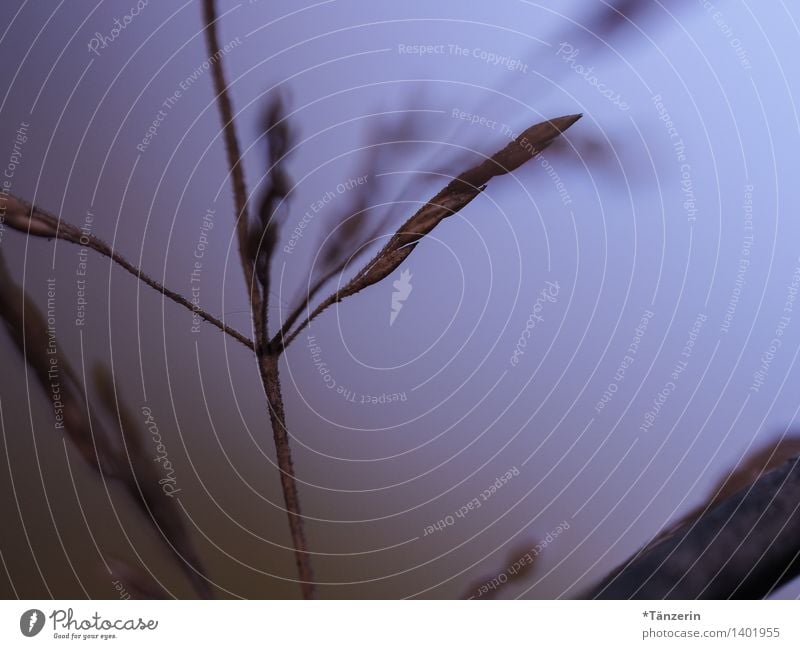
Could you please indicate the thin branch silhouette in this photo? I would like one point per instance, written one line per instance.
(257, 237)
(255, 249)
(461, 191)
(31, 219)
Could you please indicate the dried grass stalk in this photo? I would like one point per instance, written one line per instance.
(142, 481)
(454, 197)
(518, 567)
(257, 242)
(351, 237)
(125, 463)
(255, 264)
(264, 231)
(33, 220)
(28, 331)
(742, 547)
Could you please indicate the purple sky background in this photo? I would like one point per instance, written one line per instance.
(373, 476)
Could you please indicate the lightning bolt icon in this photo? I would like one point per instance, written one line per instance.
(403, 289)
(32, 621)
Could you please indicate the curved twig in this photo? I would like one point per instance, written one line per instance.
(457, 195)
(31, 219)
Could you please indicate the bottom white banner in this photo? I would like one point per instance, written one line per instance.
(355, 624)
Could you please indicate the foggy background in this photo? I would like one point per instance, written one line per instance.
(626, 217)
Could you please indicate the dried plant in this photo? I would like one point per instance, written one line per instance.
(742, 543)
(455, 196)
(122, 460)
(257, 237)
(758, 462)
(358, 223)
(259, 302)
(32, 220)
(521, 562)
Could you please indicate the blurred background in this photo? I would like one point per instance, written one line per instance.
(596, 333)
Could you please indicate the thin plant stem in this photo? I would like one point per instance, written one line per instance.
(268, 366)
(267, 361)
(33, 220)
(276, 342)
